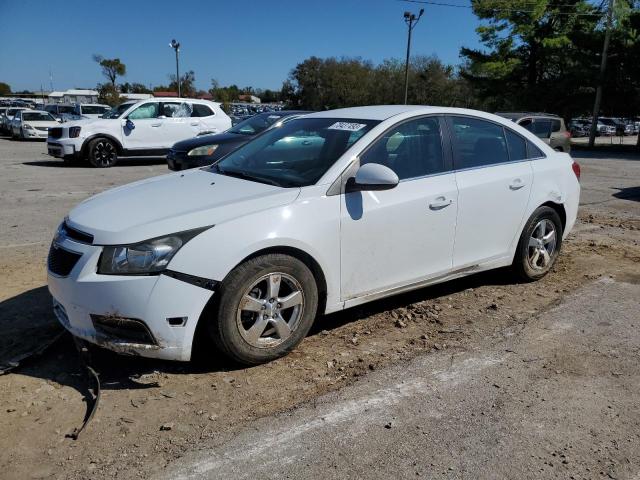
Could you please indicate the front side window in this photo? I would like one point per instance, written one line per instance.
(145, 111)
(477, 143)
(93, 110)
(296, 153)
(411, 149)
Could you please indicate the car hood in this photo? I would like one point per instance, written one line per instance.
(90, 122)
(172, 203)
(220, 139)
(42, 123)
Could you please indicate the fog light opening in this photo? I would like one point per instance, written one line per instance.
(177, 321)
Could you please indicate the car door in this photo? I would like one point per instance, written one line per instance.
(177, 120)
(142, 128)
(494, 180)
(404, 235)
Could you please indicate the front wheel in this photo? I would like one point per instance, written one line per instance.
(265, 309)
(102, 153)
(539, 244)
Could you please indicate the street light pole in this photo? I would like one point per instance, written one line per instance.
(601, 77)
(411, 20)
(176, 46)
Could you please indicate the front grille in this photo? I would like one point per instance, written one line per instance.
(55, 132)
(42, 129)
(77, 235)
(61, 261)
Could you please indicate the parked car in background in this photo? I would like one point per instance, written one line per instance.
(32, 124)
(620, 128)
(579, 127)
(145, 128)
(206, 149)
(62, 111)
(548, 127)
(250, 250)
(90, 110)
(8, 117)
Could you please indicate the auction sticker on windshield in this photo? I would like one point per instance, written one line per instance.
(350, 127)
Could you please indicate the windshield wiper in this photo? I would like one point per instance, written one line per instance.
(246, 176)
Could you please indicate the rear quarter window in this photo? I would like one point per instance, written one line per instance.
(200, 110)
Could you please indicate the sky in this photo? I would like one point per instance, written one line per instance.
(243, 42)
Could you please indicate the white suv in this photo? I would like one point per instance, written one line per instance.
(321, 213)
(146, 128)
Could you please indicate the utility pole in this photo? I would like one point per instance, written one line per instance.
(603, 67)
(411, 20)
(176, 46)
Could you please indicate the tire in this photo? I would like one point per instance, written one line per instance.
(264, 329)
(103, 153)
(542, 233)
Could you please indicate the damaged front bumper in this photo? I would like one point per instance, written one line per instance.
(148, 315)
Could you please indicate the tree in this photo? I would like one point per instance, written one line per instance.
(134, 88)
(112, 68)
(109, 95)
(5, 89)
(543, 55)
(187, 84)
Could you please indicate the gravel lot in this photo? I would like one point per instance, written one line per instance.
(153, 414)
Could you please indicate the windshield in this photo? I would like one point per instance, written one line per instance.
(115, 112)
(37, 117)
(295, 154)
(256, 124)
(93, 109)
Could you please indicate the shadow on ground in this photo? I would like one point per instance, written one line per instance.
(605, 153)
(61, 362)
(628, 193)
(122, 162)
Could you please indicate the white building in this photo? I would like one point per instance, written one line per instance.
(74, 96)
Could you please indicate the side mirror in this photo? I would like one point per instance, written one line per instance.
(129, 124)
(372, 176)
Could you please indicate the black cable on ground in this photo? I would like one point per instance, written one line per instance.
(85, 360)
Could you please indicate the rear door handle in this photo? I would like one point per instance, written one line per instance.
(440, 203)
(195, 124)
(156, 124)
(517, 184)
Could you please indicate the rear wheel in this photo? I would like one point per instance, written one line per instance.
(102, 153)
(266, 307)
(539, 244)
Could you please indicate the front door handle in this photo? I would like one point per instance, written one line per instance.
(440, 203)
(156, 124)
(517, 184)
(195, 124)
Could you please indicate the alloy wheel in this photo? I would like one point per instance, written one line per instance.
(542, 245)
(105, 153)
(270, 310)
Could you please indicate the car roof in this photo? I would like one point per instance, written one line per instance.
(519, 115)
(377, 112)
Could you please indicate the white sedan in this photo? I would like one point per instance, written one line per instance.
(32, 124)
(322, 213)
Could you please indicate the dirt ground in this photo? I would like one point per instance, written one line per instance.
(153, 412)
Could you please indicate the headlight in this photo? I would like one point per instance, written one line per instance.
(150, 256)
(74, 132)
(204, 150)
(26, 126)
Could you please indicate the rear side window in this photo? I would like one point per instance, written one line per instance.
(201, 110)
(555, 126)
(411, 149)
(477, 143)
(533, 151)
(517, 146)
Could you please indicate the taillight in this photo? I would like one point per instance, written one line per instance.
(567, 134)
(576, 169)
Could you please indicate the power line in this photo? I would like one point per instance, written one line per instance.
(511, 10)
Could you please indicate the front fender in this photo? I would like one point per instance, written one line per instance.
(310, 224)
